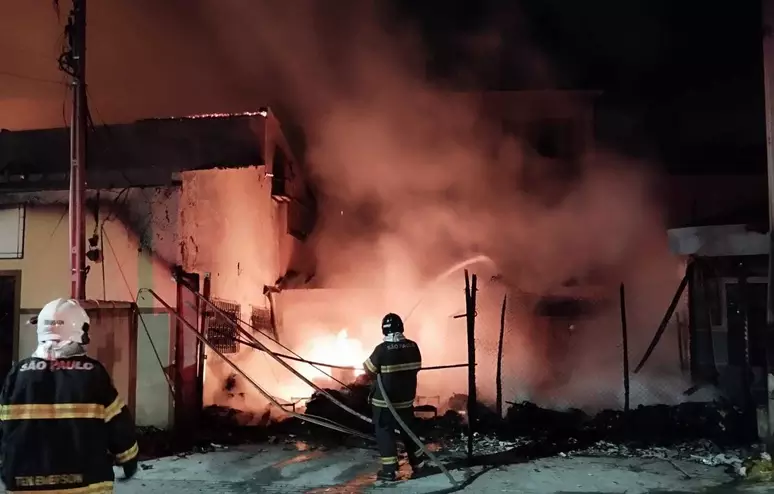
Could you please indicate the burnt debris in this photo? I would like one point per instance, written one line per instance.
(527, 431)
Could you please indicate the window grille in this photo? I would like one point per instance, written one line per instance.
(221, 333)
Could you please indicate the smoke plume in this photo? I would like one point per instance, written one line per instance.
(415, 177)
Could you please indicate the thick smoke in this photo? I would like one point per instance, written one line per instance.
(415, 178)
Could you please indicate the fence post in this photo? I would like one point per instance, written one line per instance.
(747, 375)
(625, 339)
(499, 377)
(470, 312)
(667, 316)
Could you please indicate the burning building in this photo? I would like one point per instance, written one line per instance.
(219, 207)
(511, 186)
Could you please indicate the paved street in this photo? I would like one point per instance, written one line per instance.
(289, 469)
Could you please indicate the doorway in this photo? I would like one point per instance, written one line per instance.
(9, 319)
(754, 295)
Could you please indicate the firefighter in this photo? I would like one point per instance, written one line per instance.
(63, 423)
(398, 360)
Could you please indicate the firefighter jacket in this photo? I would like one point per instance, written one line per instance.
(398, 362)
(63, 427)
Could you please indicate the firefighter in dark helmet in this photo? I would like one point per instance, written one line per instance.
(398, 360)
(63, 423)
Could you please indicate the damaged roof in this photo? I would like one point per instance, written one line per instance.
(144, 153)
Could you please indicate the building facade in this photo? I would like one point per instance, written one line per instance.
(220, 196)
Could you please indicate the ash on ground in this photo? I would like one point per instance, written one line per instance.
(709, 433)
(713, 434)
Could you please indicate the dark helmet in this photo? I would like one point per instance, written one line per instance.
(392, 323)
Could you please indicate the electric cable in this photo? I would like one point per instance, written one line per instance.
(313, 419)
(293, 371)
(142, 321)
(23, 77)
(314, 365)
(321, 421)
(411, 433)
(342, 367)
(362, 417)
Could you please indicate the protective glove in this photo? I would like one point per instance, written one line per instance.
(130, 468)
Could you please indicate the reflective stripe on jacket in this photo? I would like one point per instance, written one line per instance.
(64, 426)
(398, 363)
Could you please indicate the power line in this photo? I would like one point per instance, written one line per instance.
(30, 78)
(8, 48)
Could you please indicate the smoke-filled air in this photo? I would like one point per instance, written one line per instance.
(414, 178)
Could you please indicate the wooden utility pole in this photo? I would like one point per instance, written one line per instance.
(499, 376)
(470, 311)
(625, 345)
(768, 75)
(76, 34)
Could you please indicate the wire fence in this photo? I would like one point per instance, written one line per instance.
(559, 352)
(574, 352)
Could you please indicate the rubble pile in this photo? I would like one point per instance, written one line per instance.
(355, 397)
(154, 443)
(703, 432)
(230, 426)
(657, 425)
(759, 468)
(483, 445)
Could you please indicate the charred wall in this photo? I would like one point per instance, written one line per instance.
(233, 228)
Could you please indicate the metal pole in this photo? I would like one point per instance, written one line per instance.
(200, 347)
(680, 352)
(747, 377)
(470, 311)
(78, 153)
(499, 377)
(667, 317)
(768, 75)
(625, 339)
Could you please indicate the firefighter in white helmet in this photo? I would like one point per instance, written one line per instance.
(63, 423)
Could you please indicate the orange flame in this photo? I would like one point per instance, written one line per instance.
(337, 349)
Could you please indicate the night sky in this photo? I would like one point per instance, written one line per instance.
(682, 81)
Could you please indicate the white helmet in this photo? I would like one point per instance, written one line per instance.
(63, 320)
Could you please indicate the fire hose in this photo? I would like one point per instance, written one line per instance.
(410, 433)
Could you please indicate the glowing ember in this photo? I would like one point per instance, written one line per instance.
(338, 350)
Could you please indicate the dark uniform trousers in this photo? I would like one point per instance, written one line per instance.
(385, 426)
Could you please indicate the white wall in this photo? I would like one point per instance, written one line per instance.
(12, 220)
(155, 407)
(140, 245)
(229, 224)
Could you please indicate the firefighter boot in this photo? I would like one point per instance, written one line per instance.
(387, 475)
(419, 469)
(389, 470)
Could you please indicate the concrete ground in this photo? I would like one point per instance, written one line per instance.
(298, 469)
